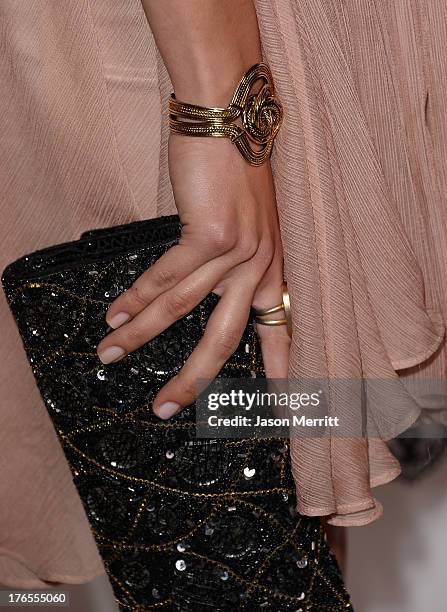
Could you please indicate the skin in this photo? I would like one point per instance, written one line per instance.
(336, 537)
(230, 242)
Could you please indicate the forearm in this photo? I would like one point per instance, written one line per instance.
(206, 45)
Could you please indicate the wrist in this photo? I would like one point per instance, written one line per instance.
(213, 84)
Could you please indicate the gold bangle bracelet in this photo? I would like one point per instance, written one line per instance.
(261, 114)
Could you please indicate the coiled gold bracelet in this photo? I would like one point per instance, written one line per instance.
(261, 114)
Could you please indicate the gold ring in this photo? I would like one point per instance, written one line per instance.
(261, 313)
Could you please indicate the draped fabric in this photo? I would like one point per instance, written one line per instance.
(360, 173)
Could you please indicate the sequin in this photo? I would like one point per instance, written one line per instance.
(249, 472)
(136, 575)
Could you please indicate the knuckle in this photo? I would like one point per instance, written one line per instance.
(227, 344)
(177, 305)
(220, 238)
(265, 254)
(221, 242)
(135, 294)
(163, 276)
(247, 247)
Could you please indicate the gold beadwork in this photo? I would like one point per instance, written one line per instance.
(261, 114)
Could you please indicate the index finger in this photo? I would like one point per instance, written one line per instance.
(171, 268)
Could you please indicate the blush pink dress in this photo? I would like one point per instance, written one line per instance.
(360, 169)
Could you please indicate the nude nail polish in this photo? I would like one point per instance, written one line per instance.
(167, 410)
(119, 319)
(111, 353)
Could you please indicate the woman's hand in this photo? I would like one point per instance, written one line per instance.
(230, 240)
(230, 244)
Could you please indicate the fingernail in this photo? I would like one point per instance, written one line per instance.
(167, 410)
(112, 353)
(119, 319)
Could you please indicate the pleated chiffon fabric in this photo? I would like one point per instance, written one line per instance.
(360, 172)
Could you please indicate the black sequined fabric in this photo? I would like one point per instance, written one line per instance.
(183, 524)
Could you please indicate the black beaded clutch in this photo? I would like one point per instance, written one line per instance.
(182, 523)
